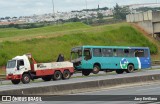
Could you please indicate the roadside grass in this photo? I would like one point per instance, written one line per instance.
(2, 73)
(13, 32)
(47, 49)
(51, 31)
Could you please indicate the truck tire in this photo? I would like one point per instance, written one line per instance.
(57, 75)
(119, 71)
(86, 72)
(25, 78)
(47, 78)
(96, 69)
(130, 68)
(66, 74)
(15, 81)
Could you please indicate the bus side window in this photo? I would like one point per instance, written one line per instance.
(97, 52)
(114, 52)
(107, 52)
(139, 53)
(87, 54)
(120, 53)
(126, 52)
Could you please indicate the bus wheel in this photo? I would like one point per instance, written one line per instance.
(15, 81)
(25, 79)
(47, 78)
(66, 74)
(57, 75)
(86, 72)
(130, 68)
(96, 69)
(119, 71)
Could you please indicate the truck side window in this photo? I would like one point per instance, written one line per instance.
(21, 62)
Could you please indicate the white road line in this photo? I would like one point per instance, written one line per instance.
(148, 89)
(153, 103)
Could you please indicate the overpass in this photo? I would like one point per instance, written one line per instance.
(149, 21)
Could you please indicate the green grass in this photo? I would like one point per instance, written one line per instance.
(47, 49)
(13, 32)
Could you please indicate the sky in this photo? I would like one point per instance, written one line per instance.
(29, 7)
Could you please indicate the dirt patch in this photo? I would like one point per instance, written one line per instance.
(150, 38)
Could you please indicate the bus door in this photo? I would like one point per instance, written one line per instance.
(87, 56)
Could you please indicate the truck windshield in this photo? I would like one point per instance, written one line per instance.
(76, 55)
(11, 64)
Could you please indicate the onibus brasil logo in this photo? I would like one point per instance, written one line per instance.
(124, 63)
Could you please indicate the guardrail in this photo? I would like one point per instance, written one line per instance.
(155, 62)
(2, 78)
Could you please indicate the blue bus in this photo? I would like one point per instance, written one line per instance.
(110, 58)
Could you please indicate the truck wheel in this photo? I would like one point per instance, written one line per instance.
(47, 78)
(25, 79)
(96, 69)
(130, 68)
(15, 81)
(66, 74)
(57, 75)
(119, 71)
(86, 72)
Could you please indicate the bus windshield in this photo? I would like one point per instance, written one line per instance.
(11, 64)
(76, 55)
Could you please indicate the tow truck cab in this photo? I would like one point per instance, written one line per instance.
(17, 66)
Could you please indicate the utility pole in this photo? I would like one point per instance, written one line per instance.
(87, 11)
(53, 10)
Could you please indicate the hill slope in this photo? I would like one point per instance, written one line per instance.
(47, 49)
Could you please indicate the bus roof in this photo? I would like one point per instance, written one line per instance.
(124, 47)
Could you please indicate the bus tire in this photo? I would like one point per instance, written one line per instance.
(47, 78)
(96, 69)
(86, 72)
(57, 75)
(119, 71)
(17, 81)
(66, 74)
(25, 78)
(130, 68)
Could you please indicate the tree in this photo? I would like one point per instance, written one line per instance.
(100, 16)
(120, 12)
(7, 17)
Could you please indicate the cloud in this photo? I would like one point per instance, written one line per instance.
(30, 7)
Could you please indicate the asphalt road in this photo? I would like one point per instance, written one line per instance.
(7, 82)
(77, 80)
(151, 89)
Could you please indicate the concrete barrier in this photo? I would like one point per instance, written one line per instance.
(81, 87)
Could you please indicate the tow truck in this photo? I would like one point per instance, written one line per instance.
(24, 68)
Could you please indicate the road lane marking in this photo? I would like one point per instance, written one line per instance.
(148, 89)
